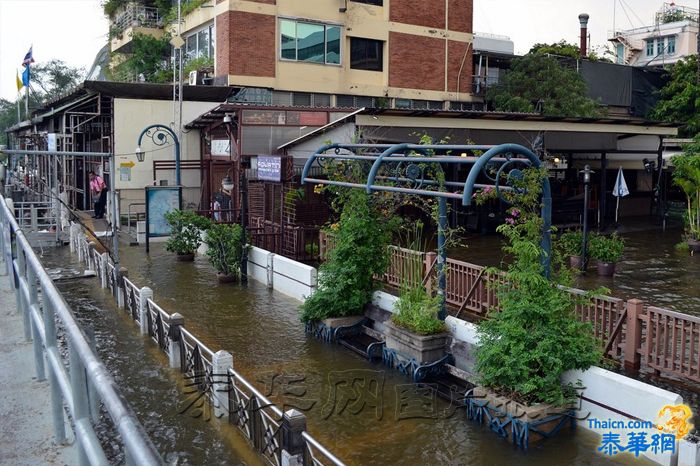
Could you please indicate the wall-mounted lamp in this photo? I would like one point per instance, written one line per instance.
(227, 118)
(140, 154)
(227, 183)
(557, 160)
(649, 165)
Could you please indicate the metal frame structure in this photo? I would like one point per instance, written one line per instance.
(404, 170)
(86, 380)
(53, 184)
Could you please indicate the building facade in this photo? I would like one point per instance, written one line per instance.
(344, 53)
(672, 37)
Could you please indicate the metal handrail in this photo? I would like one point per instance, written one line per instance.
(310, 441)
(87, 371)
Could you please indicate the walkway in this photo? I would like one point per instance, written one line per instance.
(26, 431)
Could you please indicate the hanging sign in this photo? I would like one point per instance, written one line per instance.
(269, 168)
(221, 147)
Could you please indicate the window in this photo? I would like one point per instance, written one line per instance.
(366, 54)
(650, 47)
(671, 48)
(309, 42)
(620, 54)
(370, 2)
(200, 44)
(660, 46)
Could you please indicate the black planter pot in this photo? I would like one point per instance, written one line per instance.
(226, 278)
(185, 257)
(694, 245)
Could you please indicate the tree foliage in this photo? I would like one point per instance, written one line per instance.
(679, 100)
(535, 336)
(561, 48)
(538, 83)
(686, 175)
(149, 60)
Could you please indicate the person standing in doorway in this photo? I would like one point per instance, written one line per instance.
(99, 194)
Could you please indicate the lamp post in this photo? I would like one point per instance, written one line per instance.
(586, 172)
(159, 135)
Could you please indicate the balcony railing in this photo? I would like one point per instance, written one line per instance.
(135, 15)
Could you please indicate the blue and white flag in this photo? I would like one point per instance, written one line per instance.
(29, 57)
(26, 76)
(620, 188)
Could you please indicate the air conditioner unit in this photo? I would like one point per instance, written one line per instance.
(193, 78)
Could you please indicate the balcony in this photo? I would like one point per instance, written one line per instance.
(481, 84)
(134, 18)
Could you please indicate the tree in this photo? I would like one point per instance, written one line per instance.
(679, 100)
(540, 83)
(561, 48)
(55, 78)
(148, 60)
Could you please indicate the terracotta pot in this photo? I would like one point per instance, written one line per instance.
(185, 257)
(226, 278)
(694, 245)
(606, 269)
(576, 262)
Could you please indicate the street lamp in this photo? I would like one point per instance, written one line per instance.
(586, 172)
(159, 135)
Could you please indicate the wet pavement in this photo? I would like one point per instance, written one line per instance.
(262, 330)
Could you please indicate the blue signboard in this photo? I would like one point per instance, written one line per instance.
(269, 168)
(159, 200)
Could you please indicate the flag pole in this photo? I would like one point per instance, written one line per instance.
(19, 116)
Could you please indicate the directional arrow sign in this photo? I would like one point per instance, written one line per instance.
(127, 164)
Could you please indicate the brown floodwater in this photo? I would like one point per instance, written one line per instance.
(262, 330)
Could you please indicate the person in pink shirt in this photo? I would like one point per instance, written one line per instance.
(98, 188)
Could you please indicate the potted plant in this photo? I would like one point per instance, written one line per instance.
(686, 175)
(185, 237)
(533, 338)
(607, 251)
(571, 243)
(225, 250)
(415, 330)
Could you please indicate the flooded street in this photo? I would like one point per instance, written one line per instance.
(262, 330)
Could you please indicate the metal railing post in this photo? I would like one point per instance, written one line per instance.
(34, 225)
(103, 269)
(78, 384)
(21, 304)
(36, 335)
(59, 427)
(221, 363)
(120, 287)
(177, 321)
(144, 295)
(93, 400)
(292, 442)
(633, 338)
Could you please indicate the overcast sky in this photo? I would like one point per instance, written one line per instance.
(75, 30)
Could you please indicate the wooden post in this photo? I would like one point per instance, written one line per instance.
(429, 261)
(633, 339)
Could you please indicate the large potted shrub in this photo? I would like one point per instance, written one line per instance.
(225, 250)
(533, 338)
(607, 251)
(415, 330)
(686, 175)
(571, 244)
(185, 236)
(346, 280)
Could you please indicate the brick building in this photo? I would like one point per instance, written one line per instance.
(345, 53)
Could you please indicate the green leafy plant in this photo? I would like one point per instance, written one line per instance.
(149, 59)
(679, 99)
(197, 64)
(185, 228)
(417, 311)
(110, 7)
(607, 248)
(225, 248)
(570, 243)
(346, 279)
(535, 336)
(311, 249)
(686, 175)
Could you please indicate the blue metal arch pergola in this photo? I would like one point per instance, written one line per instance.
(406, 163)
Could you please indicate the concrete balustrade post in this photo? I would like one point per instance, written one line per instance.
(633, 338)
(427, 268)
(221, 363)
(270, 270)
(71, 237)
(91, 252)
(177, 321)
(32, 285)
(103, 269)
(121, 287)
(145, 294)
(293, 424)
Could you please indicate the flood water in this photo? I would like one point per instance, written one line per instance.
(651, 269)
(262, 330)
